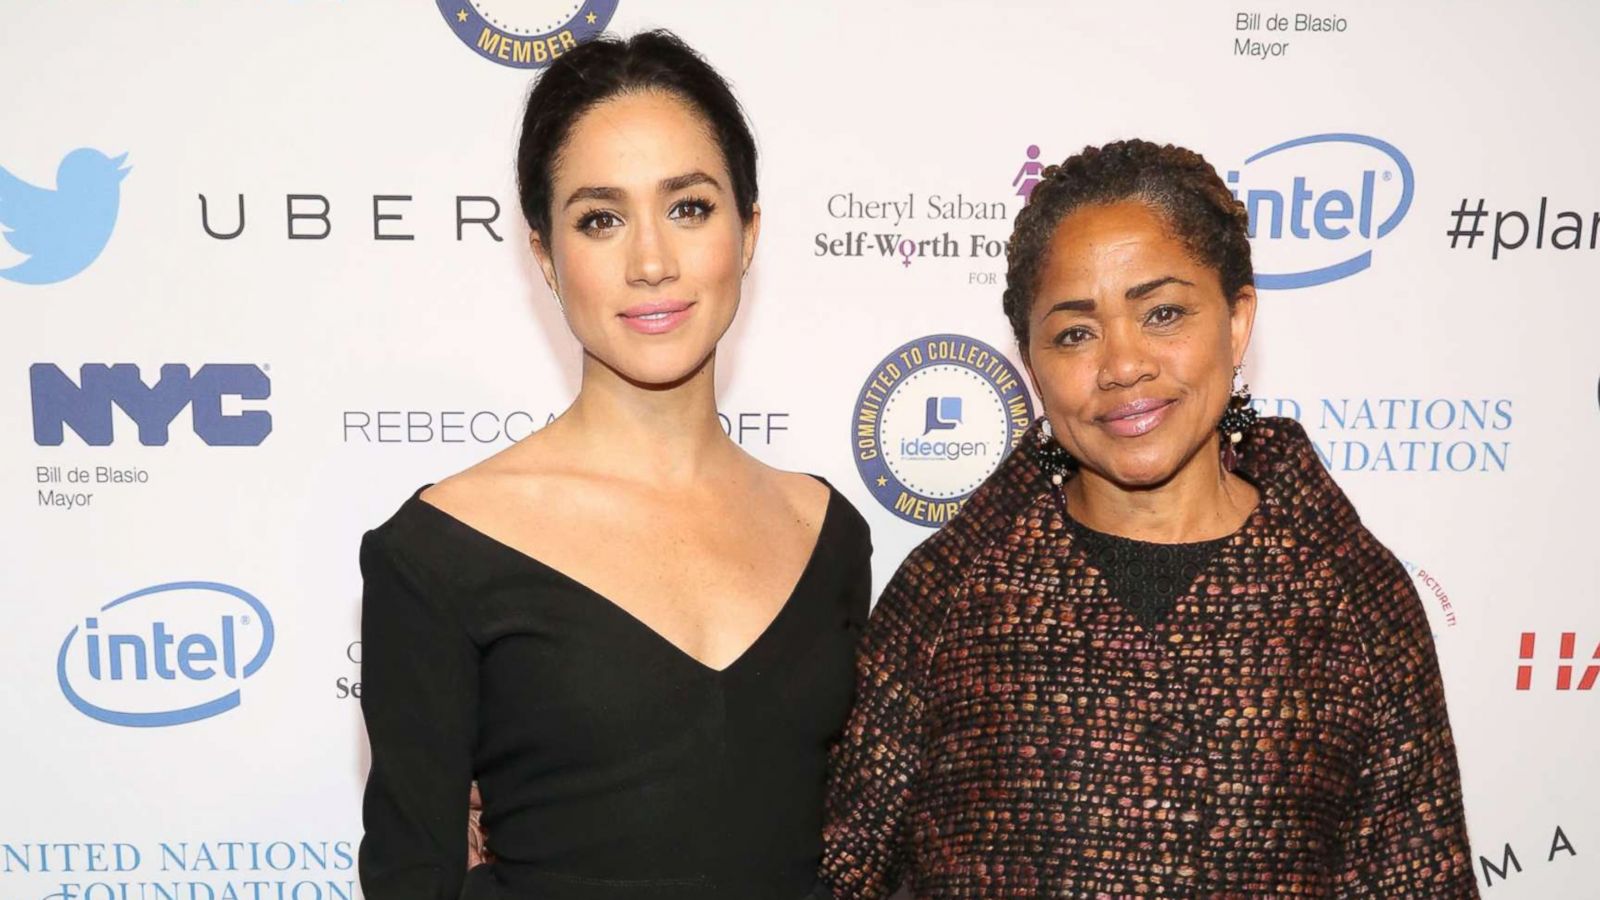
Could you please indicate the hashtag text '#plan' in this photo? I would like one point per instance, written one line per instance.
(1513, 229)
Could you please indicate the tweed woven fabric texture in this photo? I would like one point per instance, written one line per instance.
(1282, 732)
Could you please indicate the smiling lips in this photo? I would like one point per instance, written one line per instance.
(656, 318)
(1136, 418)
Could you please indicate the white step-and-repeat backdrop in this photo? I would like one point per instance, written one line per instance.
(262, 275)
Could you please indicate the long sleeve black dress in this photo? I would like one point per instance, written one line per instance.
(612, 764)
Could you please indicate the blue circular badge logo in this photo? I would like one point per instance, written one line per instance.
(526, 34)
(934, 420)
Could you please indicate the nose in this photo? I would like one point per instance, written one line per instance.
(1125, 359)
(651, 257)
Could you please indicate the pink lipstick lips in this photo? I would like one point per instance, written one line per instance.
(1136, 417)
(658, 317)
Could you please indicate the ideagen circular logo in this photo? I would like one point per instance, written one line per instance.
(1318, 203)
(933, 421)
(165, 655)
(526, 34)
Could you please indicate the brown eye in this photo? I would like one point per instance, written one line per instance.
(691, 208)
(1073, 336)
(598, 221)
(1165, 315)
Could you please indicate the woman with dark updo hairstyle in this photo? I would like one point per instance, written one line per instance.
(1157, 654)
(636, 638)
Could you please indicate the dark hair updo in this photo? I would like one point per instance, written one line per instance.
(1178, 184)
(606, 67)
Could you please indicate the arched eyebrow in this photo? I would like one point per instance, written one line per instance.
(1071, 306)
(687, 180)
(608, 194)
(1137, 292)
(665, 186)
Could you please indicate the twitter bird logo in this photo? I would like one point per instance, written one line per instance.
(61, 231)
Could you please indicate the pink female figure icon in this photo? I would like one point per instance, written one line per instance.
(1028, 175)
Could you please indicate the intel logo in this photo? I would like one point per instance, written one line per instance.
(165, 655)
(1319, 203)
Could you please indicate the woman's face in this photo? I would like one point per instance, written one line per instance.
(646, 248)
(1131, 344)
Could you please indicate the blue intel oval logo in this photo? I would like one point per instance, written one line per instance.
(1319, 203)
(165, 655)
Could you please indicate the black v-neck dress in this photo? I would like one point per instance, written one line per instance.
(612, 764)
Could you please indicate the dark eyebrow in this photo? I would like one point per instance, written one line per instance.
(594, 193)
(1136, 292)
(667, 186)
(1139, 291)
(1071, 306)
(679, 182)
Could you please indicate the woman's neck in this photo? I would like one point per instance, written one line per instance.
(664, 435)
(1200, 502)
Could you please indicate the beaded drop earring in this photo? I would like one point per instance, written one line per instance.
(1236, 420)
(1054, 458)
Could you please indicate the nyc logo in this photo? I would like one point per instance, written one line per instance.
(61, 231)
(86, 406)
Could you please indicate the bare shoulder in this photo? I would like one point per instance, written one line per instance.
(507, 480)
(806, 497)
